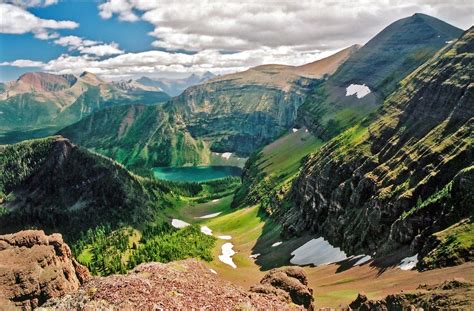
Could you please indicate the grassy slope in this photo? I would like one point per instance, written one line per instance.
(274, 167)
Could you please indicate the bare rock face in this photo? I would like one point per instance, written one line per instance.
(288, 283)
(35, 267)
(181, 285)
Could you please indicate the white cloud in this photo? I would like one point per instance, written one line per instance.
(32, 3)
(23, 63)
(304, 25)
(121, 7)
(74, 42)
(16, 20)
(102, 49)
(89, 46)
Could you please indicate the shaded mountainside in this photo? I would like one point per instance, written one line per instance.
(379, 66)
(244, 111)
(35, 267)
(51, 184)
(139, 136)
(401, 175)
(40, 99)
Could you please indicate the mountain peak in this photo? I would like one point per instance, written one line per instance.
(43, 81)
(91, 78)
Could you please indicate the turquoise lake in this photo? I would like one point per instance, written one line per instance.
(195, 173)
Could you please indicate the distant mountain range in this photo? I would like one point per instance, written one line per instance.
(234, 113)
(174, 87)
(39, 100)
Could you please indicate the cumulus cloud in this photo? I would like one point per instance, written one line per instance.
(303, 25)
(101, 49)
(16, 20)
(23, 63)
(85, 46)
(32, 3)
(123, 8)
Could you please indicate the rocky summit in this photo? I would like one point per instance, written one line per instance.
(35, 267)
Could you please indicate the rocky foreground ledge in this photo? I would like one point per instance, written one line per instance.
(38, 272)
(35, 267)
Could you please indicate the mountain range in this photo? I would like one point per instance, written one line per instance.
(369, 150)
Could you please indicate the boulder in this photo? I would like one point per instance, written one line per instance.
(287, 283)
(35, 267)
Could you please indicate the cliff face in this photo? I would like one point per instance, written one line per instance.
(374, 187)
(35, 267)
(239, 118)
(244, 111)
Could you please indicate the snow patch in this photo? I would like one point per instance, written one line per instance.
(276, 244)
(295, 130)
(210, 215)
(224, 237)
(215, 200)
(358, 89)
(179, 223)
(408, 263)
(227, 253)
(206, 230)
(226, 155)
(254, 256)
(213, 271)
(317, 252)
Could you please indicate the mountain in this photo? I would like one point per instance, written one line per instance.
(174, 87)
(243, 111)
(139, 136)
(402, 180)
(233, 113)
(40, 100)
(369, 75)
(55, 185)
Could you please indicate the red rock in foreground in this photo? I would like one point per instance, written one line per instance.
(35, 267)
(183, 285)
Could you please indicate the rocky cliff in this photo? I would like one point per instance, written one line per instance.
(244, 111)
(399, 176)
(35, 267)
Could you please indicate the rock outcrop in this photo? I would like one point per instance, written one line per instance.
(450, 295)
(289, 283)
(181, 285)
(35, 267)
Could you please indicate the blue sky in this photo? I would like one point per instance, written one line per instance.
(129, 38)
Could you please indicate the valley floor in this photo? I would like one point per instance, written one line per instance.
(334, 284)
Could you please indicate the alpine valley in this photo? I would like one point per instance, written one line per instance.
(343, 183)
